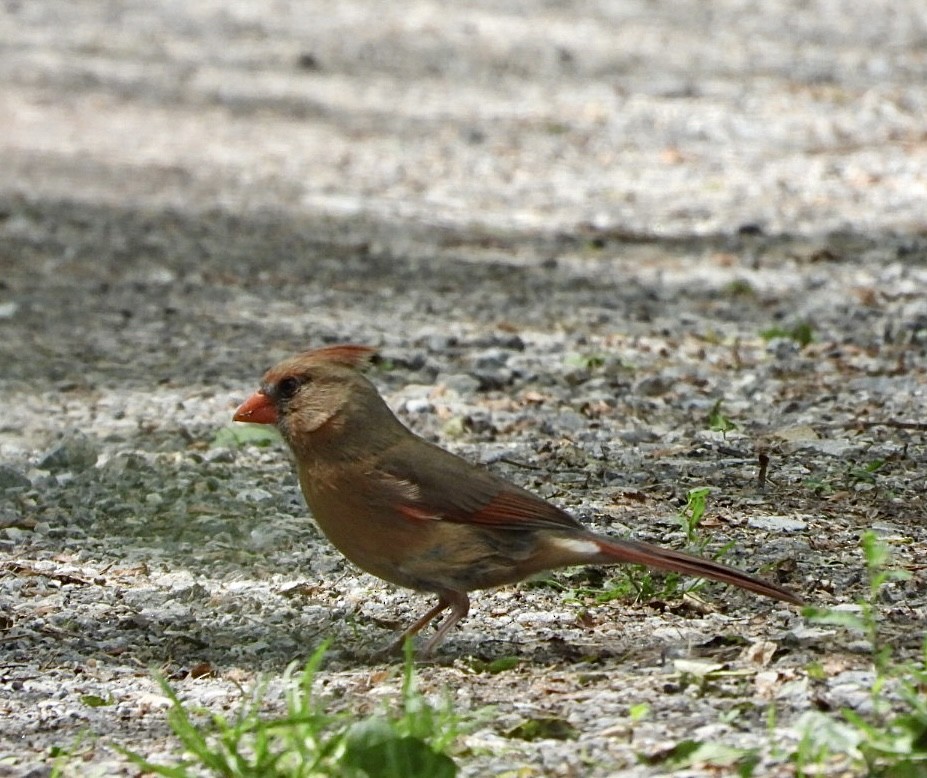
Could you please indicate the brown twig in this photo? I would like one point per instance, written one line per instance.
(763, 459)
(898, 425)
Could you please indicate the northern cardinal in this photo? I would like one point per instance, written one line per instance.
(418, 516)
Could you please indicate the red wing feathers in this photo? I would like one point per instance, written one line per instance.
(508, 510)
(518, 510)
(438, 488)
(415, 512)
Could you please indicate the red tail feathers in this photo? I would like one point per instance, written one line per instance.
(635, 552)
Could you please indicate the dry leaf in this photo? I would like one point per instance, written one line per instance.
(760, 653)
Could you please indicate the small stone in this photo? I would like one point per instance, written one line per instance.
(778, 523)
(783, 348)
(418, 405)
(12, 479)
(852, 689)
(265, 538)
(16, 534)
(75, 453)
(491, 380)
(491, 359)
(440, 343)
(638, 435)
(254, 495)
(15, 520)
(122, 463)
(654, 386)
(462, 383)
(835, 447)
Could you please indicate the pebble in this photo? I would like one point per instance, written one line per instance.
(853, 690)
(462, 383)
(255, 494)
(219, 455)
(490, 359)
(16, 534)
(783, 348)
(418, 405)
(264, 538)
(835, 447)
(491, 380)
(777, 523)
(12, 479)
(439, 343)
(76, 453)
(655, 386)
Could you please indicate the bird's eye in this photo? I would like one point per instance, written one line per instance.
(287, 387)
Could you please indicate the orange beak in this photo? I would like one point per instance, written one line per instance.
(257, 409)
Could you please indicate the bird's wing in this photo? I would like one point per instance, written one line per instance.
(429, 483)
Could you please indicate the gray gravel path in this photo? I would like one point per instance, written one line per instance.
(568, 227)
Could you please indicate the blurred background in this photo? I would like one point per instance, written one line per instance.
(660, 117)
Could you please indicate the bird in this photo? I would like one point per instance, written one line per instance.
(418, 516)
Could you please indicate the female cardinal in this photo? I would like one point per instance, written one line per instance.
(419, 516)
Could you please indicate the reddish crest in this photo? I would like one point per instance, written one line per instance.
(345, 354)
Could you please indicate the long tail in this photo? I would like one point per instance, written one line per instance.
(637, 553)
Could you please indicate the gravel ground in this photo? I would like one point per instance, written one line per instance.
(567, 226)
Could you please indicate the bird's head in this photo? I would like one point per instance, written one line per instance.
(315, 394)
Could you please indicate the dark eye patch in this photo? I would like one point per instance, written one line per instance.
(287, 387)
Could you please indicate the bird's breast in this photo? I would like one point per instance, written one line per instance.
(362, 526)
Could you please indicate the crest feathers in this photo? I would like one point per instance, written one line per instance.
(346, 354)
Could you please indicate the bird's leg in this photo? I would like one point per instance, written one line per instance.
(424, 621)
(460, 607)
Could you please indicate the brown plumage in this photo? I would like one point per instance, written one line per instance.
(418, 516)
